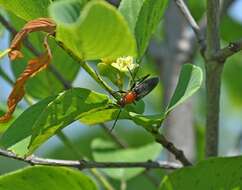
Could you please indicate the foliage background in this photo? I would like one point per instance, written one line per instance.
(82, 136)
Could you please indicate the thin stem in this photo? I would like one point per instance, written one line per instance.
(5, 52)
(213, 41)
(230, 50)
(171, 148)
(98, 79)
(90, 71)
(191, 21)
(160, 138)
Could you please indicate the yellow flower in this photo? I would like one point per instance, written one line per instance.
(124, 64)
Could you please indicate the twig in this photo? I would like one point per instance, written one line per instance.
(28, 44)
(191, 21)
(90, 71)
(171, 148)
(228, 51)
(82, 164)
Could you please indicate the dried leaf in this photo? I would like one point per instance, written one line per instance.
(33, 67)
(40, 24)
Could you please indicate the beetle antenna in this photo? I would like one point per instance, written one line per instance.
(133, 82)
(131, 74)
(116, 120)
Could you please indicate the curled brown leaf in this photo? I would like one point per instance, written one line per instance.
(40, 24)
(34, 65)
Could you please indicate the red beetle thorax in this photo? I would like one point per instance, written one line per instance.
(128, 98)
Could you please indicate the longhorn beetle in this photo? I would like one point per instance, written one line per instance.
(137, 91)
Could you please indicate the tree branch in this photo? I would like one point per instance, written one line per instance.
(82, 164)
(214, 68)
(191, 21)
(228, 51)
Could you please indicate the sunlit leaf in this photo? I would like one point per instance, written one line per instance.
(143, 17)
(89, 31)
(131, 10)
(44, 177)
(27, 9)
(190, 80)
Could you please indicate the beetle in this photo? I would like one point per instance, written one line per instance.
(138, 90)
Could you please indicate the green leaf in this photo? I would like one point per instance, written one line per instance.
(45, 118)
(65, 109)
(44, 177)
(27, 9)
(104, 151)
(130, 10)
(215, 173)
(94, 31)
(149, 18)
(108, 114)
(5, 126)
(143, 17)
(190, 80)
(197, 8)
(18, 135)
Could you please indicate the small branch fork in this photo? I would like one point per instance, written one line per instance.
(222, 54)
(82, 164)
(230, 50)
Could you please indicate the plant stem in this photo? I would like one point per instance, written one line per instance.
(96, 77)
(90, 71)
(213, 83)
(214, 68)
